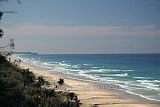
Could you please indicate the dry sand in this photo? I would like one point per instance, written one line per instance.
(87, 95)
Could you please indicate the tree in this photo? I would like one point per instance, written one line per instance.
(1, 14)
(40, 82)
(61, 81)
(1, 33)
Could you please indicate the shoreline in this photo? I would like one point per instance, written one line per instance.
(90, 96)
(123, 93)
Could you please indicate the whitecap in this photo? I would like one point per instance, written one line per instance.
(119, 75)
(114, 70)
(122, 74)
(139, 77)
(150, 81)
(75, 66)
(87, 64)
(65, 65)
(97, 67)
(150, 84)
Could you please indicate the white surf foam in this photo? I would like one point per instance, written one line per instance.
(118, 75)
(143, 96)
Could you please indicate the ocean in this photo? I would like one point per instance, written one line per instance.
(137, 74)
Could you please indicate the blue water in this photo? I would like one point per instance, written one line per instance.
(137, 74)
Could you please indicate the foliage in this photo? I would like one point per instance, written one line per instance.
(61, 81)
(19, 88)
(1, 13)
(2, 59)
(1, 33)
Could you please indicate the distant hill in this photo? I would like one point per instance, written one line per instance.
(25, 53)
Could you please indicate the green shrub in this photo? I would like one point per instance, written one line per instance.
(61, 81)
(19, 88)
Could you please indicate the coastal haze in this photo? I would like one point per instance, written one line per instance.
(83, 27)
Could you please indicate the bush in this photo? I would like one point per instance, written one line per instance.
(61, 81)
(19, 88)
(2, 59)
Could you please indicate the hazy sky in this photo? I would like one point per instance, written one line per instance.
(83, 26)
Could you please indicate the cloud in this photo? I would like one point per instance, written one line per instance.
(19, 2)
(157, 2)
(44, 22)
(4, 0)
(36, 30)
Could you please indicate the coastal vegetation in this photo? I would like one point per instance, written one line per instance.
(20, 88)
(61, 81)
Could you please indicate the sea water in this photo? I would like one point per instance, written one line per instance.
(137, 74)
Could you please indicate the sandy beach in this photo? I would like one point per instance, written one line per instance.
(86, 91)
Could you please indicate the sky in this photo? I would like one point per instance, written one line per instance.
(83, 26)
